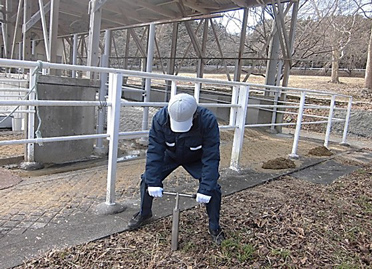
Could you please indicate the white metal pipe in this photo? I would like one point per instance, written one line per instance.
(131, 135)
(197, 92)
(298, 127)
(173, 88)
(113, 116)
(131, 89)
(10, 96)
(227, 127)
(30, 148)
(52, 139)
(160, 104)
(283, 124)
(18, 111)
(347, 119)
(239, 131)
(275, 108)
(50, 103)
(140, 74)
(329, 125)
(14, 90)
(114, 136)
(124, 135)
(12, 80)
(234, 100)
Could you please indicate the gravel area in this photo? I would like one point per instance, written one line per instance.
(359, 124)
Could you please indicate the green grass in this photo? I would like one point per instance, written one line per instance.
(233, 248)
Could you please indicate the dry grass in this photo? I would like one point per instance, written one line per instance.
(287, 223)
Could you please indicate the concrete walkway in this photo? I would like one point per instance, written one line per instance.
(52, 211)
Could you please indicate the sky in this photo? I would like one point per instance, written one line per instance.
(233, 19)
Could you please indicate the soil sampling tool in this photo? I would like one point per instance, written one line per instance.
(176, 216)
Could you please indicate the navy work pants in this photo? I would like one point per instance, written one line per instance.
(195, 169)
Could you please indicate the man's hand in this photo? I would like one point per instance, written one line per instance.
(155, 191)
(202, 198)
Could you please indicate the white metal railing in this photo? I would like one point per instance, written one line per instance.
(238, 107)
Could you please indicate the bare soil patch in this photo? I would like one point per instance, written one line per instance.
(320, 151)
(11, 150)
(279, 163)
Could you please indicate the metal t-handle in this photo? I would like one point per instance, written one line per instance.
(176, 216)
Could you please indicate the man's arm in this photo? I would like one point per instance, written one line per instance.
(211, 154)
(155, 153)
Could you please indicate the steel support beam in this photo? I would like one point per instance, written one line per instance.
(53, 30)
(20, 4)
(26, 41)
(94, 34)
(238, 66)
(37, 16)
(149, 63)
(74, 53)
(272, 63)
(292, 34)
(105, 62)
(220, 50)
(190, 32)
(200, 71)
(172, 58)
(45, 31)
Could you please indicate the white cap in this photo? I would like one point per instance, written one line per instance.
(181, 109)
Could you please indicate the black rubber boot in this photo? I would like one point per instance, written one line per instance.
(138, 220)
(217, 236)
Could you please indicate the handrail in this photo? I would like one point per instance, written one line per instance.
(239, 108)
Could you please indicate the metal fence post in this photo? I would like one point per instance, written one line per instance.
(239, 130)
(30, 156)
(105, 60)
(234, 101)
(347, 119)
(149, 63)
(173, 88)
(275, 109)
(197, 92)
(113, 117)
(329, 124)
(300, 113)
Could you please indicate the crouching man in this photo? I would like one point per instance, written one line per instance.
(183, 134)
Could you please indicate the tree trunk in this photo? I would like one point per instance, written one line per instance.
(368, 77)
(335, 65)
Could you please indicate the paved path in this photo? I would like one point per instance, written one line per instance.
(57, 210)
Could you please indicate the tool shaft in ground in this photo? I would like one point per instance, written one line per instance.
(175, 223)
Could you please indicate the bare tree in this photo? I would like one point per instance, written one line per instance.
(341, 16)
(368, 75)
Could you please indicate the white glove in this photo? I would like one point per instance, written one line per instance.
(155, 191)
(202, 198)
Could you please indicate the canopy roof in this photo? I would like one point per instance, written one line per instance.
(74, 14)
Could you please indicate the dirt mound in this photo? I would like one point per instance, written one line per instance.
(320, 151)
(279, 163)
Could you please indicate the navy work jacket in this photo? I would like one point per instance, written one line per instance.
(198, 150)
